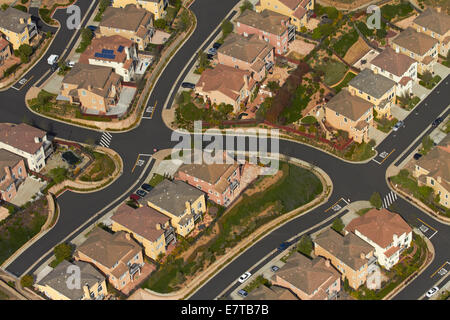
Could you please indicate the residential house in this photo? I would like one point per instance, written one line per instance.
(116, 52)
(352, 256)
(419, 46)
(247, 53)
(309, 279)
(221, 182)
(149, 227)
(5, 51)
(269, 26)
(95, 88)
(183, 204)
(436, 24)
(130, 22)
(116, 255)
(298, 11)
(374, 88)
(17, 27)
(59, 285)
(225, 84)
(272, 293)
(386, 231)
(157, 7)
(348, 112)
(398, 67)
(28, 142)
(433, 170)
(12, 174)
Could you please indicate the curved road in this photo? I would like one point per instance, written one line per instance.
(353, 181)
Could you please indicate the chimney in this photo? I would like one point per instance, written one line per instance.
(246, 81)
(352, 92)
(37, 140)
(22, 21)
(327, 263)
(90, 87)
(158, 226)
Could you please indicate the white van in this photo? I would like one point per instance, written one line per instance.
(52, 59)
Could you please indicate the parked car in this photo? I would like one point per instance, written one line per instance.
(212, 51)
(283, 246)
(141, 193)
(398, 125)
(417, 156)
(188, 85)
(216, 45)
(54, 67)
(134, 197)
(432, 292)
(70, 63)
(274, 268)
(242, 293)
(437, 122)
(244, 277)
(52, 59)
(146, 187)
(210, 56)
(92, 28)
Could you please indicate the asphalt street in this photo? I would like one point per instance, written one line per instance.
(351, 181)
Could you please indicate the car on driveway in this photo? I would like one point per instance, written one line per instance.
(135, 197)
(212, 51)
(432, 292)
(210, 56)
(92, 28)
(398, 125)
(274, 268)
(146, 187)
(244, 277)
(417, 156)
(242, 293)
(188, 85)
(141, 193)
(216, 45)
(437, 122)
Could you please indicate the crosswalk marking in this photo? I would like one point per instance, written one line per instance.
(389, 199)
(105, 139)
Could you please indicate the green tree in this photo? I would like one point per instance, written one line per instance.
(338, 225)
(375, 200)
(27, 281)
(203, 61)
(184, 21)
(305, 245)
(273, 86)
(381, 33)
(25, 52)
(227, 28)
(427, 77)
(63, 251)
(160, 23)
(427, 144)
(247, 5)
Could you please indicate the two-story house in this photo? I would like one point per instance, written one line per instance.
(115, 52)
(59, 284)
(157, 7)
(436, 24)
(182, 203)
(374, 88)
(149, 227)
(225, 84)
(5, 50)
(12, 174)
(27, 142)
(269, 26)
(95, 88)
(117, 255)
(385, 231)
(299, 11)
(314, 279)
(17, 27)
(398, 67)
(433, 170)
(247, 53)
(419, 46)
(352, 256)
(130, 22)
(348, 112)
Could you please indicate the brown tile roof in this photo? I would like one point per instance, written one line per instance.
(268, 21)
(107, 248)
(272, 293)
(225, 79)
(427, 60)
(414, 41)
(299, 12)
(361, 125)
(393, 62)
(99, 78)
(438, 22)
(351, 106)
(107, 43)
(7, 159)
(306, 274)
(3, 43)
(21, 136)
(211, 173)
(143, 221)
(379, 226)
(391, 251)
(291, 4)
(130, 18)
(437, 162)
(246, 49)
(404, 80)
(348, 249)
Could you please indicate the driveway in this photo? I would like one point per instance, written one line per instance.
(27, 190)
(419, 90)
(376, 135)
(441, 70)
(53, 85)
(399, 112)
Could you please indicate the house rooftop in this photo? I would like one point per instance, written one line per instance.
(107, 48)
(393, 62)
(349, 105)
(268, 21)
(414, 41)
(7, 159)
(437, 162)
(433, 20)
(246, 49)
(130, 18)
(14, 20)
(22, 136)
(376, 85)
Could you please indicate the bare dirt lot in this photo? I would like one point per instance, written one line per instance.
(356, 51)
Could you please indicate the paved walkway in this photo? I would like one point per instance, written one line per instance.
(441, 70)
(399, 112)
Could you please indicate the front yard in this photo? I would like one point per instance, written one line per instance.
(102, 168)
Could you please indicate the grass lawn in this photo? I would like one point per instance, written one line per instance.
(362, 212)
(432, 83)
(157, 178)
(344, 83)
(102, 168)
(345, 42)
(334, 71)
(359, 152)
(384, 124)
(260, 280)
(3, 295)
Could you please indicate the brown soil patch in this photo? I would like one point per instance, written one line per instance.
(356, 51)
(264, 184)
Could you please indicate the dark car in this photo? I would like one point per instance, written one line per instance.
(437, 122)
(141, 193)
(417, 156)
(210, 56)
(92, 28)
(274, 268)
(243, 293)
(188, 85)
(216, 45)
(135, 197)
(146, 187)
(212, 51)
(55, 67)
(283, 246)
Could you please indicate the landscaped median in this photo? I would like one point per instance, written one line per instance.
(269, 203)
